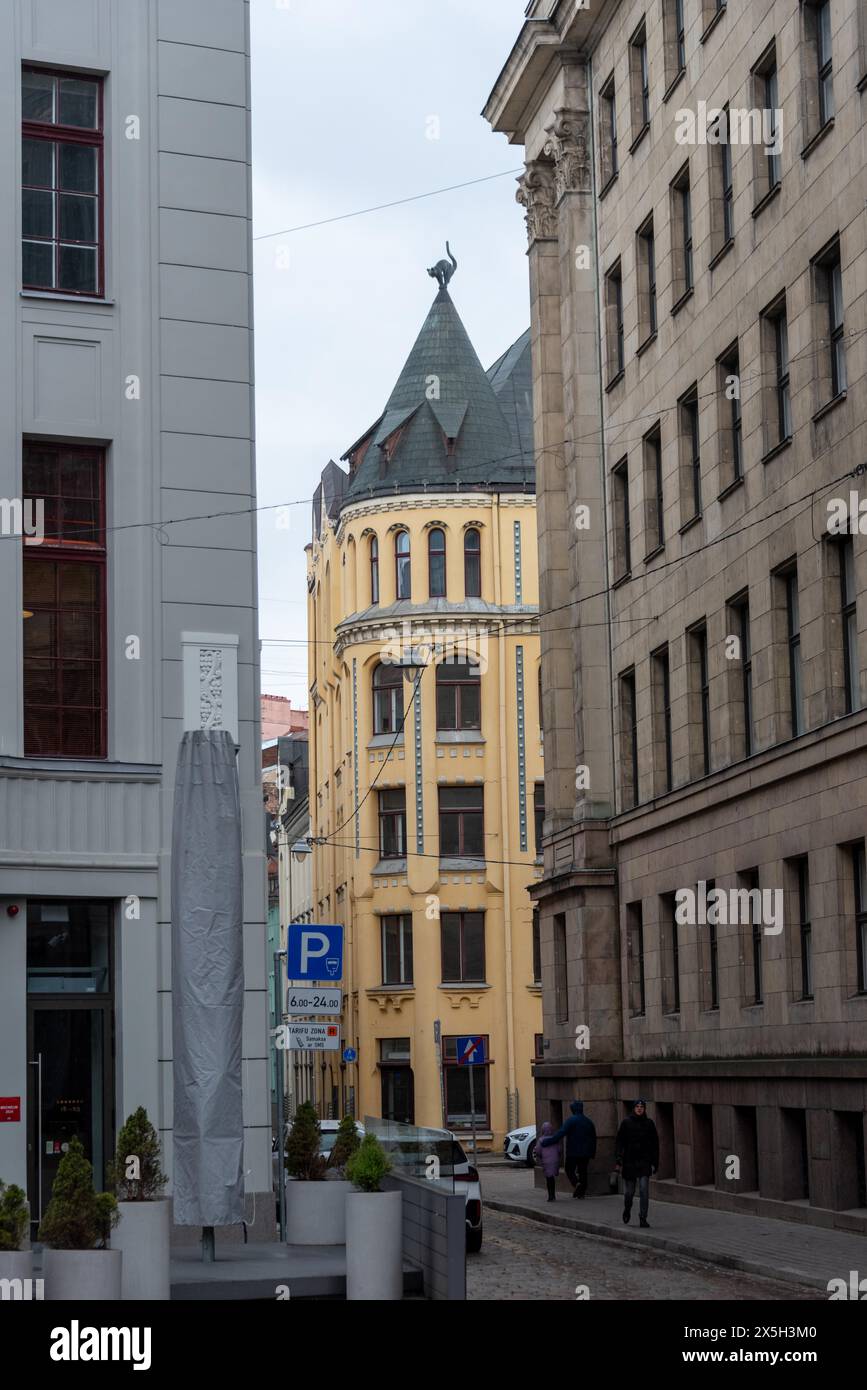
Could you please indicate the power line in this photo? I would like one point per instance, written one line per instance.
(398, 202)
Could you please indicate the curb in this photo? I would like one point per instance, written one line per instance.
(674, 1247)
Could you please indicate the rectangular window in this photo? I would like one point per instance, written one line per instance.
(710, 950)
(622, 527)
(459, 696)
(561, 976)
(608, 134)
(392, 824)
(722, 189)
(456, 1083)
(710, 13)
(653, 499)
(730, 419)
(646, 254)
(614, 323)
(750, 922)
(635, 956)
(397, 950)
(462, 938)
(61, 182)
(805, 929)
(740, 613)
(829, 325)
(681, 237)
(819, 108)
(673, 41)
(537, 947)
(859, 872)
(690, 455)
(539, 814)
(775, 371)
(462, 822)
(699, 702)
(849, 614)
(766, 98)
(628, 740)
(661, 678)
(670, 955)
(793, 634)
(65, 603)
(639, 83)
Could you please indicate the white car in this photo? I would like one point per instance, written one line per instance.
(519, 1145)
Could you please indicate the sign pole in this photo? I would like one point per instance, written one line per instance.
(473, 1108)
(281, 1171)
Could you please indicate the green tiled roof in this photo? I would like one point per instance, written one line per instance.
(448, 423)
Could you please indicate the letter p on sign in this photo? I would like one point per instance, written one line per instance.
(314, 951)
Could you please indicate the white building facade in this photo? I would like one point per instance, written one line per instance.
(126, 400)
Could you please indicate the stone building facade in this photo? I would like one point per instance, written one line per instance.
(695, 188)
(425, 747)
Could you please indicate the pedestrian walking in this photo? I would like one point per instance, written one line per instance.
(636, 1154)
(580, 1135)
(549, 1159)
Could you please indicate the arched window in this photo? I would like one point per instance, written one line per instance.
(374, 570)
(459, 695)
(436, 554)
(387, 699)
(402, 571)
(472, 564)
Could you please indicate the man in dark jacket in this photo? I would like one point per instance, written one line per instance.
(636, 1153)
(580, 1136)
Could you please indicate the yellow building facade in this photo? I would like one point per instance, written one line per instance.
(425, 744)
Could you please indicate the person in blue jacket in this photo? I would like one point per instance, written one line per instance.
(580, 1136)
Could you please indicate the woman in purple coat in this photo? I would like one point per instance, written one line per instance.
(549, 1158)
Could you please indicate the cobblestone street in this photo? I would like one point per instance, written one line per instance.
(523, 1260)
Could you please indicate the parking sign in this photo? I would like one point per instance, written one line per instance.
(314, 952)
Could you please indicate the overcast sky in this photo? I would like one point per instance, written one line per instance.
(347, 96)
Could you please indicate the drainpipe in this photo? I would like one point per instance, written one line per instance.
(504, 819)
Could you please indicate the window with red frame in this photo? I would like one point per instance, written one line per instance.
(62, 182)
(64, 604)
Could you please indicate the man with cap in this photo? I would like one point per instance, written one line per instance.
(580, 1136)
(636, 1154)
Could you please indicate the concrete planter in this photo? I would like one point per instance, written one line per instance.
(374, 1246)
(18, 1264)
(316, 1212)
(82, 1276)
(143, 1234)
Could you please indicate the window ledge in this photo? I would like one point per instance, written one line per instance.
(384, 867)
(451, 987)
(817, 138)
(862, 85)
(721, 253)
(390, 989)
(63, 768)
(642, 347)
(622, 579)
(536, 988)
(652, 554)
(58, 295)
(767, 198)
(732, 487)
(462, 865)
(712, 25)
(386, 741)
(639, 137)
(679, 303)
(777, 449)
(615, 379)
(459, 736)
(674, 84)
(610, 182)
(688, 525)
(829, 406)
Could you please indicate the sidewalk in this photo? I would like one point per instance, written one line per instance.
(784, 1250)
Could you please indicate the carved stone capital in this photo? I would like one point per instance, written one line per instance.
(536, 194)
(568, 145)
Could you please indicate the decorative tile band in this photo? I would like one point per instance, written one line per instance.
(355, 753)
(518, 576)
(522, 747)
(419, 799)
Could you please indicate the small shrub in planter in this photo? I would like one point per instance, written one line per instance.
(138, 1140)
(77, 1217)
(303, 1159)
(14, 1216)
(345, 1145)
(369, 1165)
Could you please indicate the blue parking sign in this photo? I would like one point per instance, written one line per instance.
(314, 952)
(471, 1051)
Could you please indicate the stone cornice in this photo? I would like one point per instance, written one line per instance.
(428, 501)
(386, 632)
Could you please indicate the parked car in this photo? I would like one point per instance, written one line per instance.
(412, 1153)
(519, 1145)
